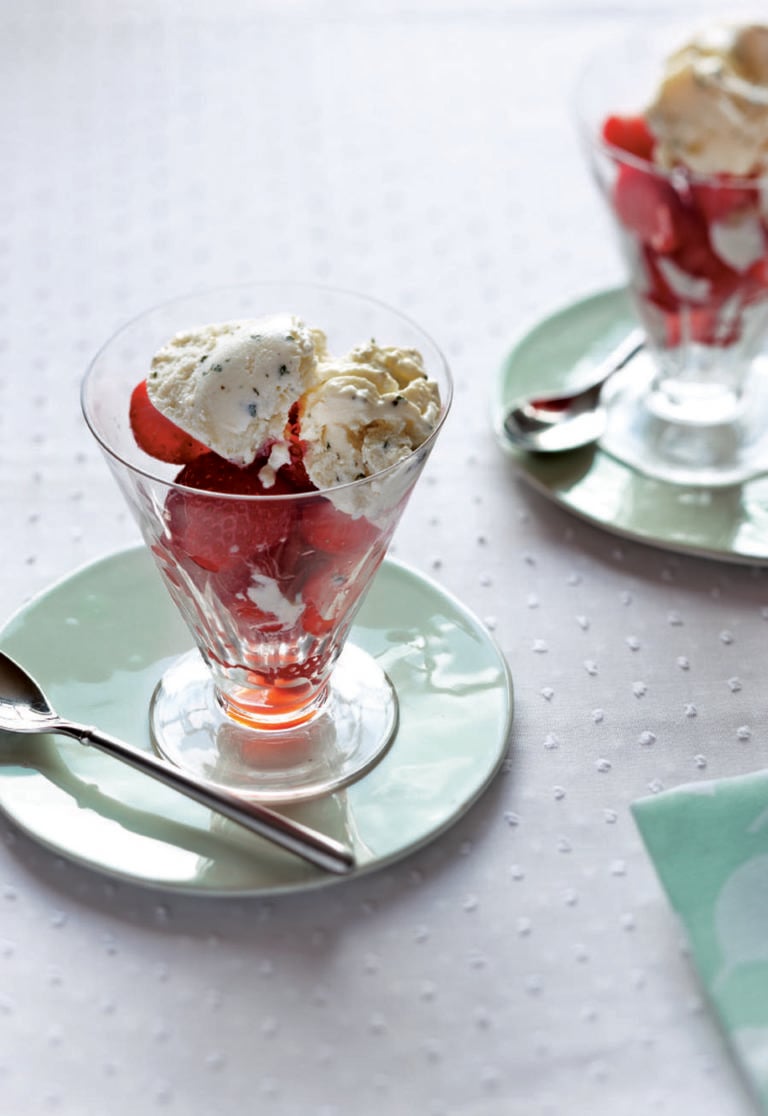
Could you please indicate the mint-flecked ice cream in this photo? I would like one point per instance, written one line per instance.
(710, 112)
(234, 387)
(231, 385)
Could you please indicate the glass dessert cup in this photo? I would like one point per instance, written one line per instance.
(273, 702)
(693, 409)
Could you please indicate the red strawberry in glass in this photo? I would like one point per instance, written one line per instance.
(678, 142)
(267, 475)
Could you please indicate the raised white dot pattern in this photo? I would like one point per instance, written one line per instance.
(525, 962)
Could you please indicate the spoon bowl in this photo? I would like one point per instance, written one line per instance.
(557, 423)
(24, 708)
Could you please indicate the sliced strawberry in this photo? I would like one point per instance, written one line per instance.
(657, 290)
(630, 134)
(718, 200)
(702, 324)
(325, 593)
(211, 473)
(233, 581)
(217, 532)
(293, 476)
(294, 473)
(248, 615)
(314, 622)
(648, 206)
(326, 528)
(333, 588)
(758, 276)
(158, 436)
(695, 256)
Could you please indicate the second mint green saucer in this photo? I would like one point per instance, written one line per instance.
(729, 524)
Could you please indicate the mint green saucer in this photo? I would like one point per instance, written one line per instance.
(99, 640)
(730, 524)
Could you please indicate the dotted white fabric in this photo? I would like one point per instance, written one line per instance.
(525, 962)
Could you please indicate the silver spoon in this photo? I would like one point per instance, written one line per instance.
(24, 708)
(554, 423)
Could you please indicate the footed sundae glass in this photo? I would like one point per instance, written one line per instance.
(272, 700)
(692, 409)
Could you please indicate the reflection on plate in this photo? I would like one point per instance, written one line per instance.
(730, 524)
(98, 641)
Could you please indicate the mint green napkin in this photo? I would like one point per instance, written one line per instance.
(709, 844)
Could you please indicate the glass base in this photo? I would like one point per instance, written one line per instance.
(728, 446)
(346, 738)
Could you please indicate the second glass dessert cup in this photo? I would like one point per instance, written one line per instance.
(693, 410)
(274, 702)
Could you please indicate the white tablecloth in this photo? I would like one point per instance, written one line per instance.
(525, 962)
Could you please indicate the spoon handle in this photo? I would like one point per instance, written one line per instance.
(632, 344)
(317, 848)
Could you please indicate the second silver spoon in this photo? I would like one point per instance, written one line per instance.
(554, 423)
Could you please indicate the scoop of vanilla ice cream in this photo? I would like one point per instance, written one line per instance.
(710, 112)
(367, 411)
(232, 385)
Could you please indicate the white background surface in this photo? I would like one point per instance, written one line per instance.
(526, 962)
